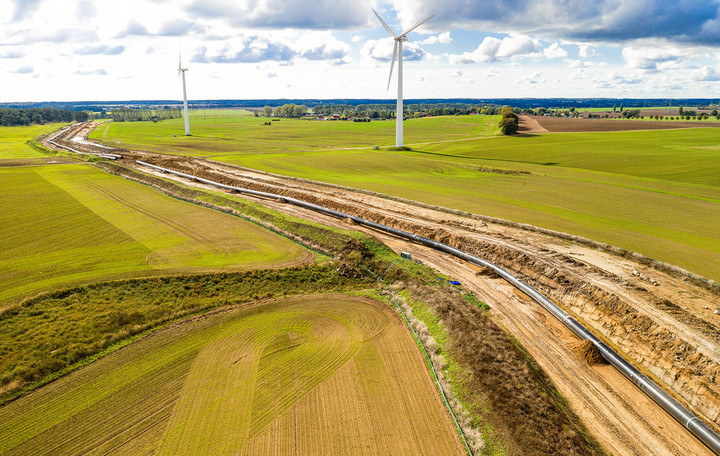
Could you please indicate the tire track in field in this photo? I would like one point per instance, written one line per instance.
(199, 238)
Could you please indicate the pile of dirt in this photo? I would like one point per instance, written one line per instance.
(589, 352)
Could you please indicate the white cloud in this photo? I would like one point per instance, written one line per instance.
(254, 49)
(554, 51)
(382, 50)
(297, 14)
(707, 73)
(443, 38)
(616, 80)
(597, 21)
(579, 64)
(100, 49)
(12, 55)
(660, 56)
(492, 49)
(533, 78)
(586, 51)
(356, 38)
(24, 70)
(98, 72)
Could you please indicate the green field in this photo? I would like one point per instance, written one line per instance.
(652, 192)
(64, 224)
(242, 135)
(13, 141)
(310, 375)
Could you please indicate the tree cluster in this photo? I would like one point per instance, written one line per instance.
(14, 116)
(509, 121)
(631, 113)
(144, 115)
(288, 110)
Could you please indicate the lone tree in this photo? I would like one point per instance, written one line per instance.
(509, 122)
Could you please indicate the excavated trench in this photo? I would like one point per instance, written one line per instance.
(689, 370)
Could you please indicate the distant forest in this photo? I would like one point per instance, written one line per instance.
(14, 116)
(522, 103)
(139, 115)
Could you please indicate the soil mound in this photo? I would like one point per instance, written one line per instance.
(589, 352)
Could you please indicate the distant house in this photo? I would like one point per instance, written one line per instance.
(336, 116)
(320, 118)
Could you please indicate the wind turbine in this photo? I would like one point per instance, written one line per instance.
(182, 71)
(397, 51)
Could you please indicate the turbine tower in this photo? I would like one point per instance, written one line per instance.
(182, 71)
(398, 51)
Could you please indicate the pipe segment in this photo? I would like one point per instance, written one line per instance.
(684, 416)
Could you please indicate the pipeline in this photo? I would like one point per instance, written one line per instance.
(684, 416)
(52, 141)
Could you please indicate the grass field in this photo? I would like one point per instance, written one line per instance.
(64, 224)
(242, 135)
(325, 374)
(13, 141)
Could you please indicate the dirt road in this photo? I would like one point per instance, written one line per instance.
(665, 323)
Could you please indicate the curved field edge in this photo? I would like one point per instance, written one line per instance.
(340, 369)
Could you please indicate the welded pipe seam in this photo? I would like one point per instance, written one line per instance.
(684, 416)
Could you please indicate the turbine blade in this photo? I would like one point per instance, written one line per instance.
(392, 64)
(416, 26)
(384, 24)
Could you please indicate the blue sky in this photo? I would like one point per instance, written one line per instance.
(117, 50)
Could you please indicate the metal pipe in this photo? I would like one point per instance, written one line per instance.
(684, 416)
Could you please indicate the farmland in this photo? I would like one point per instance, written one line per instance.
(318, 374)
(82, 224)
(13, 142)
(627, 189)
(224, 136)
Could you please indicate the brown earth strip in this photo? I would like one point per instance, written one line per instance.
(568, 125)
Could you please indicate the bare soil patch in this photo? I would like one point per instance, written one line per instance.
(568, 125)
(530, 125)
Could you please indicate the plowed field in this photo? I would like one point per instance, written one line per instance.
(326, 374)
(565, 125)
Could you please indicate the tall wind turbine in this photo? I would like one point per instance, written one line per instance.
(182, 71)
(398, 51)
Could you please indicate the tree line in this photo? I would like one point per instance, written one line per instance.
(287, 110)
(14, 116)
(144, 115)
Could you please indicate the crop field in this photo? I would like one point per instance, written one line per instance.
(652, 192)
(321, 374)
(13, 142)
(72, 223)
(226, 137)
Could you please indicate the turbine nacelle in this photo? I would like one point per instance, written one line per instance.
(399, 39)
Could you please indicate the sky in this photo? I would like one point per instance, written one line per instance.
(78, 50)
